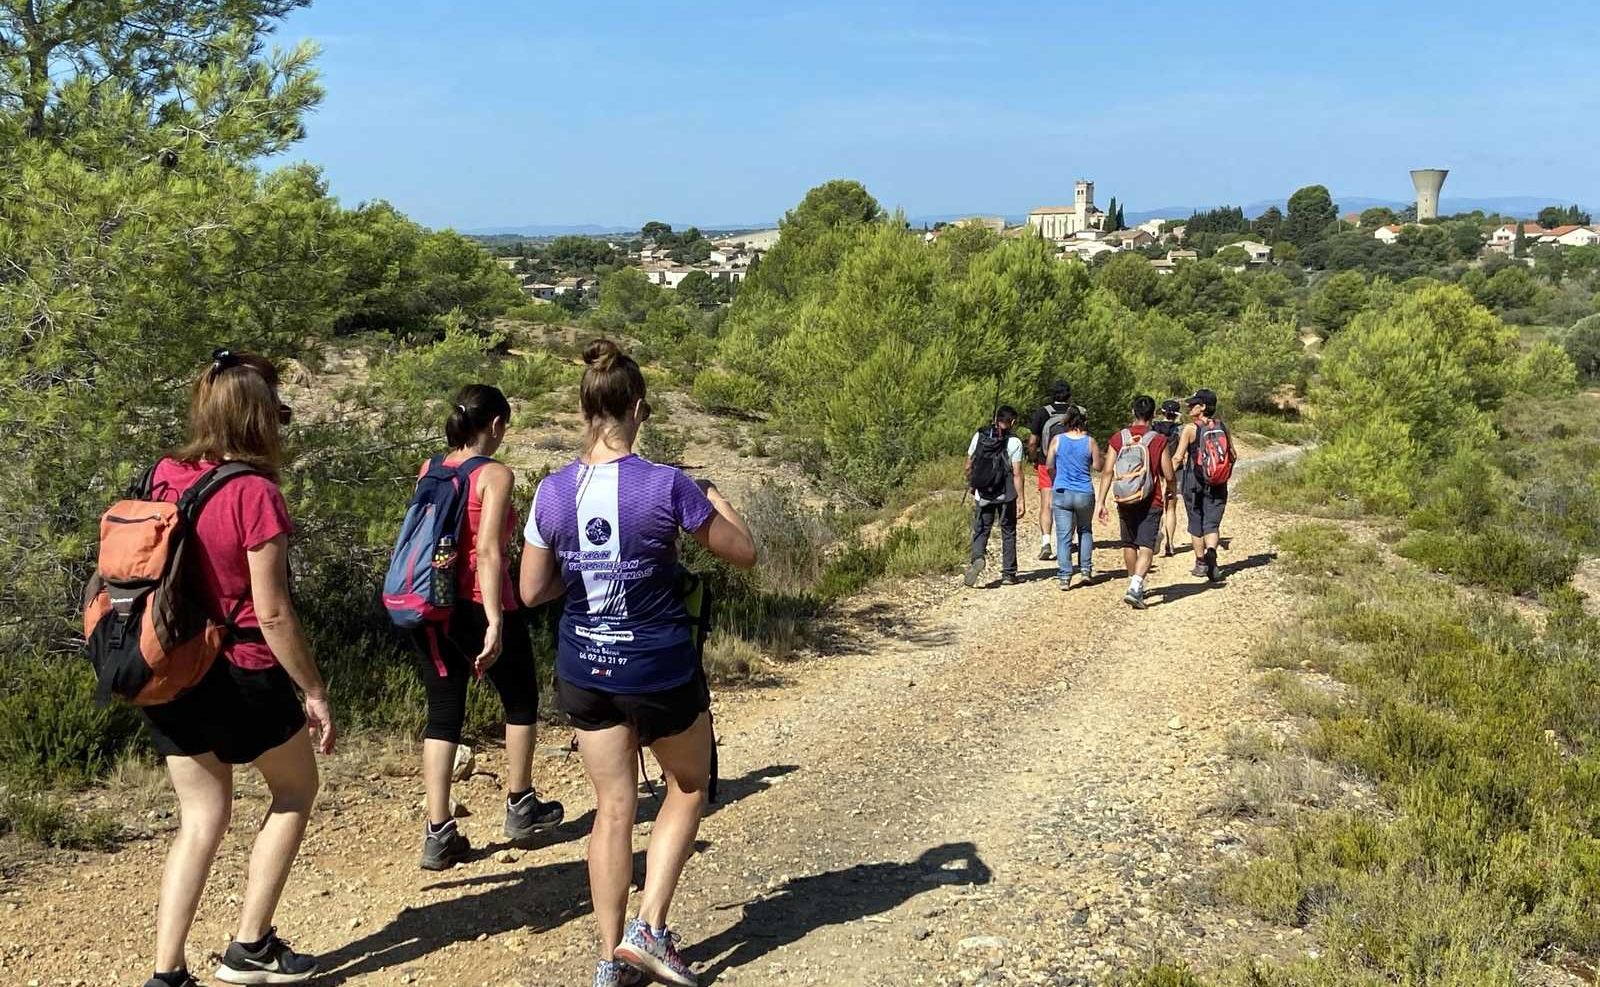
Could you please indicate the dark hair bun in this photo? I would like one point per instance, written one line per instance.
(602, 355)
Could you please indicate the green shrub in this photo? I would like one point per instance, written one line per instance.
(722, 390)
(52, 729)
(1545, 371)
(43, 819)
(661, 443)
(1249, 360)
(1582, 344)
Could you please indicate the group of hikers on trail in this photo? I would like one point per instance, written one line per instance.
(1149, 469)
(190, 617)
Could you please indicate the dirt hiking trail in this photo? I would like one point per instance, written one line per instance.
(986, 786)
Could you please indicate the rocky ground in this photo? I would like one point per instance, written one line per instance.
(960, 787)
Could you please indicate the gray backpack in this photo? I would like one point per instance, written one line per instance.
(1133, 477)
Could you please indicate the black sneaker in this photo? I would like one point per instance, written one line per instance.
(273, 963)
(187, 981)
(527, 817)
(1008, 580)
(444, 849)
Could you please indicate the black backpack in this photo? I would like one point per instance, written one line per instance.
(990, 464)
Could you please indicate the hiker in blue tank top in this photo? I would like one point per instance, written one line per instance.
(603, 534)
(1074, 459)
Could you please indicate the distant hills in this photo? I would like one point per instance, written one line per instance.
(1522, 206)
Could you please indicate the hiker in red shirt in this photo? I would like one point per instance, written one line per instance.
(1137, 474)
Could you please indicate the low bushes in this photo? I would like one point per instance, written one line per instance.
(1482, 734)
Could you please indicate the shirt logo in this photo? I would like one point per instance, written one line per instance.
(599, 530)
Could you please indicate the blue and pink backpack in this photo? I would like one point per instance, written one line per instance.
(420, 586)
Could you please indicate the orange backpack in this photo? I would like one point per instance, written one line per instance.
(145, 633)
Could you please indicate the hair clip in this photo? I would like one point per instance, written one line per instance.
(461, 408)
(221, 359)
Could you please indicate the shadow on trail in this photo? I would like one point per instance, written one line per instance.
(806, 904)
(537, 899)
(1174, 592)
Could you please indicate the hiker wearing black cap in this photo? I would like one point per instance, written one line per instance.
(1205, 447)
(1047, 423)
(1167, 424)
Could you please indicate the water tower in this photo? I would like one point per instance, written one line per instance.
(1427, 182)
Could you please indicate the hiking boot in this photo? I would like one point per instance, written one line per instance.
(273, 963)
(444, 849)
(187, 981)
(1135, 598)
(610, 973)
(1008, 580)
(655, 956)
(974, 570)
(527, 817)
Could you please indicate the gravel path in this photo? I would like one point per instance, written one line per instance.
(968, 786)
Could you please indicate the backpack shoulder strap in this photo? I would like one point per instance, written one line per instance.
(195, 498)
(1148, 438)
(143, 485)
(1127, 437)
(471, 465)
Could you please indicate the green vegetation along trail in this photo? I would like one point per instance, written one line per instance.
(964, 786)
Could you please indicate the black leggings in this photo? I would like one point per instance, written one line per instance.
(445, 659)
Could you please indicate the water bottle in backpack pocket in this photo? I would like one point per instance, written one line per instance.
(420, 585)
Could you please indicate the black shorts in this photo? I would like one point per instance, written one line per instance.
(236, 713)
(653, 715)
(445, 659)
(1141, 524)
(1204, 504)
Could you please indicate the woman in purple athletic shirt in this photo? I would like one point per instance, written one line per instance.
(603, 533)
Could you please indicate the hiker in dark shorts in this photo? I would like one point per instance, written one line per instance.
(1044, 426)
(1205, 502)
(1168, 425)
(1137, 474)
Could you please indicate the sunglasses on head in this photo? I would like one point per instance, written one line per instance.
(222, 359)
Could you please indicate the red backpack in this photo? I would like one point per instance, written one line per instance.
(1213, 456)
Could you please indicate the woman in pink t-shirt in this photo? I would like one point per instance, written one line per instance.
(245, 711)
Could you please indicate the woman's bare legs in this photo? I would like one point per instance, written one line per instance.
(204, 786)
(610, 759)
(686, 760)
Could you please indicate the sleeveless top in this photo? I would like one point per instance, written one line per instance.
(1074, 463)
(467, 575)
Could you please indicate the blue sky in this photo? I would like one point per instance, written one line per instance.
(481, 113)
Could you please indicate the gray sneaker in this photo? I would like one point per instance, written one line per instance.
(1135, 598)
(528, 817)
(974, 570)
(1201, 570)
(444, 849)
(273, 963)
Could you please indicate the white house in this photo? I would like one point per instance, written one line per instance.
(1572, 236)
(1086, 250)
(1061, 222)
(729, 257)
(541, 290)
(569, 284)
(1388, 234)
(1131, 238)
(1506, 236)
(1260, 253)
(1152, 226)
